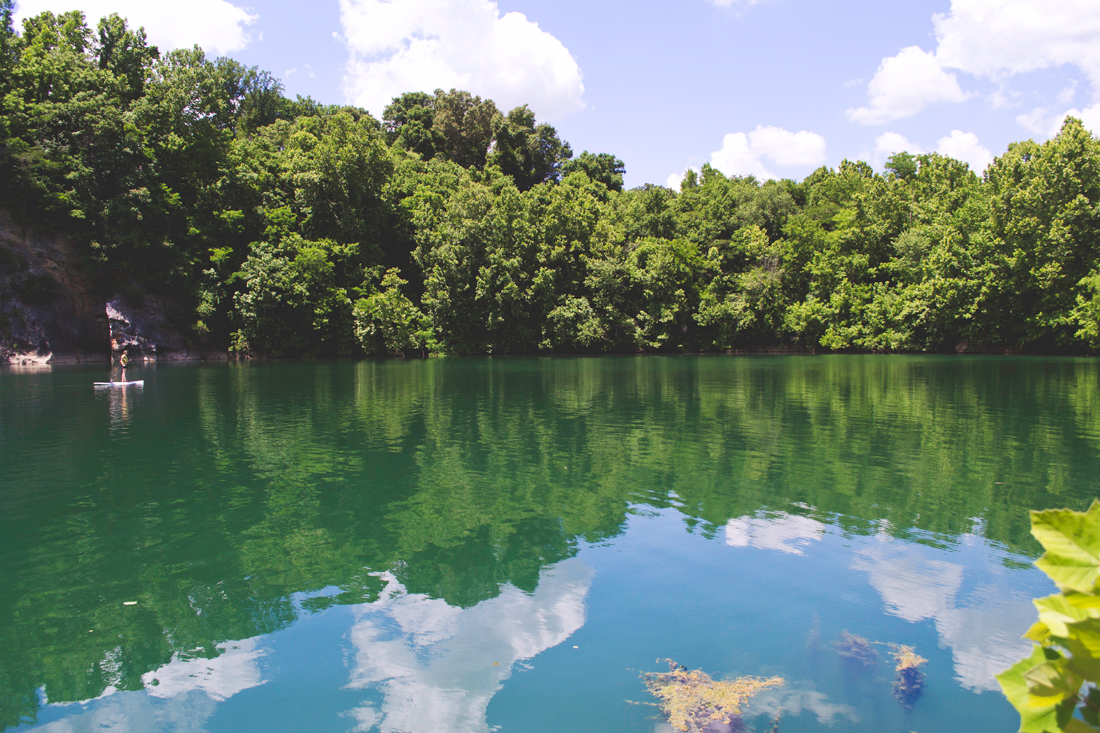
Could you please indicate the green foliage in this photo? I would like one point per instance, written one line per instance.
(527, 152)
(604, 167)
(510, 244)
(1058, 681)
(292, 302)
(389, 323)
(1087, 312)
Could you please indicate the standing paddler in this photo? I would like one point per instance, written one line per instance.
(124, 360)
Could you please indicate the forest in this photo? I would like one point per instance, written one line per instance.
(287, 227)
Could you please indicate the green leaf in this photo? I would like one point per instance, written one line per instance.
(1039, 632)
(1083, 665)
(1089, 602)
(1058, 610)
(1041, 718)
(1051, 682)
(1076, 725)
(1083, 639)
(1072, 543)
(1091, 709)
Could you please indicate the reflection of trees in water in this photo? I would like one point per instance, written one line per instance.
(462, 475)
(120, 400)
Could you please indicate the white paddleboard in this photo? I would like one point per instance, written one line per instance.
(138, 383)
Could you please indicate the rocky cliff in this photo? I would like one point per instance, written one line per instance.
(52, 312)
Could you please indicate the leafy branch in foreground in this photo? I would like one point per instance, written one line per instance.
(1055, 688)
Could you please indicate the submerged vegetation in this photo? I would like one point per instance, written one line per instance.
(908, 677)
(908, 681)
(694, 702)
(285, 227)
(855, 648)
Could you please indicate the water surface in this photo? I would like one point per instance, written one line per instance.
(506, 544)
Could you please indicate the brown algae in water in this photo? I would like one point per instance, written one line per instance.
(908, 679)
(694, 702)
(855, 648)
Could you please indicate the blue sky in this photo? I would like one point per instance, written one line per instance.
(774, 88)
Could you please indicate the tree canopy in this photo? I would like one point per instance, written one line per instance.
(290, 227)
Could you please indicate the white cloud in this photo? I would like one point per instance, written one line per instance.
(675, 179)
(180, 696)
(964, 146)
(731, 3)
(737, 158)
(999, 38)
(1089, 116)
(1041, 123)
(1068, 92)
(216, 25)
(792, 701)
(991, 39)
(422, 45)
(889, 143)
(904, 85)
(743, 154)
(233, 670)
(1038, 121)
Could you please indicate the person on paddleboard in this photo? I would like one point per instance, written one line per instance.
(124, 360)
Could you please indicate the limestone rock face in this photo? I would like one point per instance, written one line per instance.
(48, 311)
(52, 312)
(144, 333)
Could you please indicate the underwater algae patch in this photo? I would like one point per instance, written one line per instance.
(855, 648)
(908, 681)
(694, 702)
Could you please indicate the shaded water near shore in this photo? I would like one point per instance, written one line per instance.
(506, 544)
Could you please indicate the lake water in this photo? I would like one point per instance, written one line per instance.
(462, 545)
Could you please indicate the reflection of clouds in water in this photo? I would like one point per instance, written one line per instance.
(913, 587)
(232, 671)
(793, 701)
(182, 700)
(982, 629)
(433, 662)
(134, 712)
(780, 531)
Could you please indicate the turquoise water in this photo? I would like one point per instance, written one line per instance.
(507, 544)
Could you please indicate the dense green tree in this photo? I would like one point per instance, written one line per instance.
(292, 302)
(530, 153)
(743, 303)
(409, 122)
(125, 54)
(388, 323)
(464, 125)
(602, 167)
(1043, 221)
